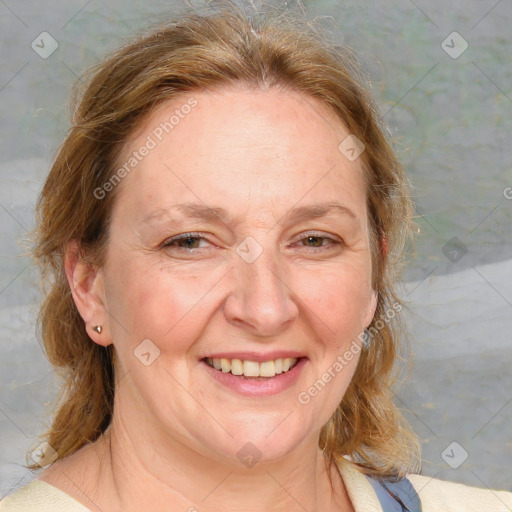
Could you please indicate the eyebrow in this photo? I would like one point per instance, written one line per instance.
(298, 214)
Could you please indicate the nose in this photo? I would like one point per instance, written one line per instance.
(260, 300)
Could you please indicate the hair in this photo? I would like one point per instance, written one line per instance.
(220, 48)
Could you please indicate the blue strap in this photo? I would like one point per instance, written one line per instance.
(396, 496)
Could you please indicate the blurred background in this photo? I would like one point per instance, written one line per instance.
(441, 74)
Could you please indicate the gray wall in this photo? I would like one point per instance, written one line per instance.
(450, 114)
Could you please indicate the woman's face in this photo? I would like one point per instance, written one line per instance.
(269, 272)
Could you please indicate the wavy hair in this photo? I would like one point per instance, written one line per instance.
(221, 47)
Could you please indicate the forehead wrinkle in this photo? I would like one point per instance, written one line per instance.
(193, 210)
(217, 213)
(319, 210)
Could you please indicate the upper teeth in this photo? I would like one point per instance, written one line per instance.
(252, 368)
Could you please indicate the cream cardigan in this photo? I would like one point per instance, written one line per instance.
(436, 496)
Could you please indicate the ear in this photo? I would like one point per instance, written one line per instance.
(87, 288)
(384, 247)
(372, 307)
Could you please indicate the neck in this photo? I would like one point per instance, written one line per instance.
(152, 474)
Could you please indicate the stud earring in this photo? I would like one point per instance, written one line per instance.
(98, 329)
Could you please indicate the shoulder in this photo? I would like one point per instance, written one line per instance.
(437, 495)
(40, 496)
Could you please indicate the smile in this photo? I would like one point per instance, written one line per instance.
(249, 368)
(231, 374)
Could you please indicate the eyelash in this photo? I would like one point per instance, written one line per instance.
(311, 234)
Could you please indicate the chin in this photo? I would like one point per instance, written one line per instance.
(258, 446)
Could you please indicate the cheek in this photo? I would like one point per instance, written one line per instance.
(339, 298)
(151, 302)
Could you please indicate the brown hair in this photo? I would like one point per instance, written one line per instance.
(222, 48)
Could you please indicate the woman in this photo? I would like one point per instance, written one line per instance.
(224, 225)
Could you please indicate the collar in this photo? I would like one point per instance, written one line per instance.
(359, 489)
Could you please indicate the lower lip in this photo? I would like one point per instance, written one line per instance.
(249, 387)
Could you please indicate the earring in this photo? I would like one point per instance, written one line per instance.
(98, 329)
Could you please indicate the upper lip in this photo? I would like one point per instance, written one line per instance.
(256, 356)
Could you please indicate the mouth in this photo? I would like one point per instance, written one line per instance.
(253, 370)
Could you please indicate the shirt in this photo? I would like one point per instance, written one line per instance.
(435, 495)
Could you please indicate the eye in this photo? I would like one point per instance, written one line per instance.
(188, 239)
(317, 239)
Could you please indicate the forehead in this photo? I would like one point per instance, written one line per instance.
(242, 149)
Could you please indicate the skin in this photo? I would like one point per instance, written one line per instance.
(175, 433)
